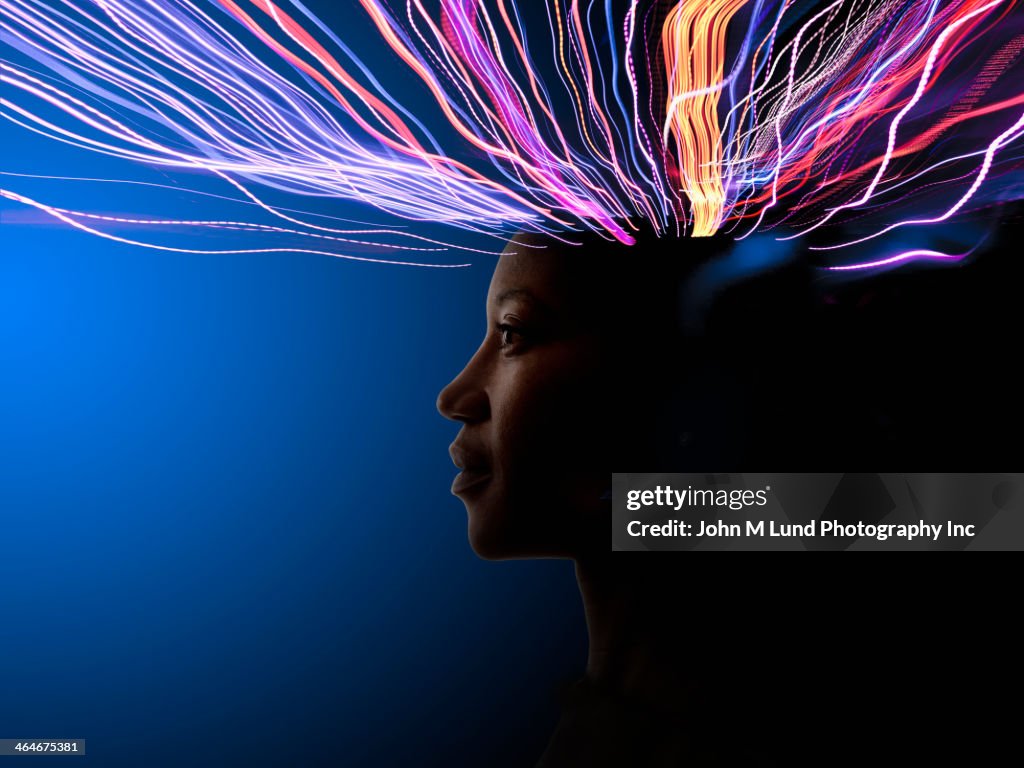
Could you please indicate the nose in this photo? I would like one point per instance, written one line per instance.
(465, 398)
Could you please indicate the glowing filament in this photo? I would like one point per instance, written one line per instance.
(693, 44)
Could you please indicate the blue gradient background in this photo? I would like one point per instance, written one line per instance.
(227, 531)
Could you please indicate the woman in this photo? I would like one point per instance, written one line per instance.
(587, 366)
(595, 361)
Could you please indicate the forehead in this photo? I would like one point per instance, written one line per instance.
(551, 273)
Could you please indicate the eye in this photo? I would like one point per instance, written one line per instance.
(510, 336)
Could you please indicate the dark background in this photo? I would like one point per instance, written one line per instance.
(910, 369)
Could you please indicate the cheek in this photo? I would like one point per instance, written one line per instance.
(549, 468)
(547, 417)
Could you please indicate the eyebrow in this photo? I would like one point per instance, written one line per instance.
(523, 293)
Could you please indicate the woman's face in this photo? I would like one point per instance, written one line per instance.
(531, 448)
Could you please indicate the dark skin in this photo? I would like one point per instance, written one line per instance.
(571, 382)
(530, 448)
(540, 404)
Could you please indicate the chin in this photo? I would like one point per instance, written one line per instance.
(493, 536)
(487, 549)
(490, 540)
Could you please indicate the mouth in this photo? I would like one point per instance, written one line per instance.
(470, 479)
(476, 472)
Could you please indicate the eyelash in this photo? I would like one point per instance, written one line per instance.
(503, 330)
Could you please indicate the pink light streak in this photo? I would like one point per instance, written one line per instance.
(548, 134)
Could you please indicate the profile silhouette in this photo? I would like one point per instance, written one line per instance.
(595, 360)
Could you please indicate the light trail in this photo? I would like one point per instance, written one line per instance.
(695, 116)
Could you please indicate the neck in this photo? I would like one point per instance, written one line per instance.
(635, 636)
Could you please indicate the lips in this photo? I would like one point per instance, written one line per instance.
(476, 470)
(467, 480)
